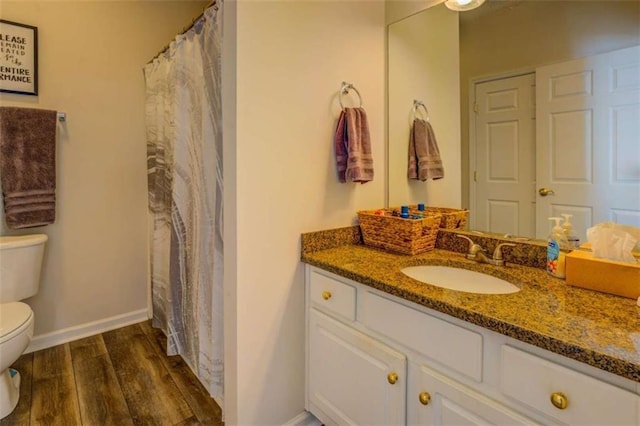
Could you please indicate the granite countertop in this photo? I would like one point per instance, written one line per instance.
(591, 327)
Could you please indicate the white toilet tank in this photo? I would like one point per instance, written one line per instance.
(20, 266)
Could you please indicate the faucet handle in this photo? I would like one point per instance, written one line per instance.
(473, 247)
(466, 238)
(497, 253)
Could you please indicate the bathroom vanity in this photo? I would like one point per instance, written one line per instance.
(383, 348)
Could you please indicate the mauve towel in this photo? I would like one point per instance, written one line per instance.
(353, 147)
(424, 155)
(340, 143)
(28, 166)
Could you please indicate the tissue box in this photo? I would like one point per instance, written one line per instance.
(607, 276)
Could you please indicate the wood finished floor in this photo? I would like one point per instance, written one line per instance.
(121, 377)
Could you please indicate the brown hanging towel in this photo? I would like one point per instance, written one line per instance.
(353, 147)
(28, 166)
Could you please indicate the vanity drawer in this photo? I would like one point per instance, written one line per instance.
(535, 381)
(332, 296)
(452, 346)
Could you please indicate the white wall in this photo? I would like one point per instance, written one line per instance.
(280, 177)
(291, 59)
(91, 56)
(544, 32)
(424, 65)
(396, 10)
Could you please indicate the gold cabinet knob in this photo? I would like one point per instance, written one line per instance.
(326, 295)
(559, 400)
(392, 378)
(424, 398)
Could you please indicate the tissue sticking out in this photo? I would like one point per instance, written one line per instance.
(609, 240)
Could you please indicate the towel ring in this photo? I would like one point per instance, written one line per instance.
(344, 89)
(416, 105)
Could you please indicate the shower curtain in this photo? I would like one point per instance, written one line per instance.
(184, 161)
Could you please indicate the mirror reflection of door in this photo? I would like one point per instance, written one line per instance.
(505, 155)
(586, 109)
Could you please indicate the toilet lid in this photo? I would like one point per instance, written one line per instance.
(12, 317)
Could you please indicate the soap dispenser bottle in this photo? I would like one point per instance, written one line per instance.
(570, 233)
(557, 243)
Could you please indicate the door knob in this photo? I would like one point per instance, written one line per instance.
(326, 295)
(545, 191)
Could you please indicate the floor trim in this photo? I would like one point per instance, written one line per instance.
(48, 340)
(303, 419)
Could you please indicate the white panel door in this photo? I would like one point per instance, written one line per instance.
(505, 156)
(349, 375)
(588, 140)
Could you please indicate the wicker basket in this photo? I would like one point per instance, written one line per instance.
(451, 218)
(406, 236)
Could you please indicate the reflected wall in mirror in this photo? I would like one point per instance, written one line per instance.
(424, 65)
(562, 150)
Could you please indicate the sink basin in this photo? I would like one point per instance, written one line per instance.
(460, 279)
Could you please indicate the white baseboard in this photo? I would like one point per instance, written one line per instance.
(303, 419)
(70, 334)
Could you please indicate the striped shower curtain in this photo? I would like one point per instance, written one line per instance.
(184, 150)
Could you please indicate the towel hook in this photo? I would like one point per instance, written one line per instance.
(344, 89)
(416, 105)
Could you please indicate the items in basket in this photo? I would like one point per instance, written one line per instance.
(414, 234)
(451, 218)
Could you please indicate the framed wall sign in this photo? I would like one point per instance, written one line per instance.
(18, 58)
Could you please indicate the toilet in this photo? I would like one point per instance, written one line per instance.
(20, 266)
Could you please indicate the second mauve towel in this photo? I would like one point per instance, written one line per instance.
(424, 155)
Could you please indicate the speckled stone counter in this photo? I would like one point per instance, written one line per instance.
(590, 327)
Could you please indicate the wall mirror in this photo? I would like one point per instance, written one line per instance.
(535, 106)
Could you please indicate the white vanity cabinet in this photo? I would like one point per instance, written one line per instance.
(375, 359)
(353, 378)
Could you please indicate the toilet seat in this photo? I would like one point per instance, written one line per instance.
(15, 318)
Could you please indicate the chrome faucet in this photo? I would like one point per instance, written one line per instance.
(477, 253)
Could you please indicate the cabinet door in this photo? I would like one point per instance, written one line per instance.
(353, 378)
(439, 400)
(568, 396)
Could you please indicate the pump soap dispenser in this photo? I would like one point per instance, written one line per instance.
(569, 232)
(557, 242)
